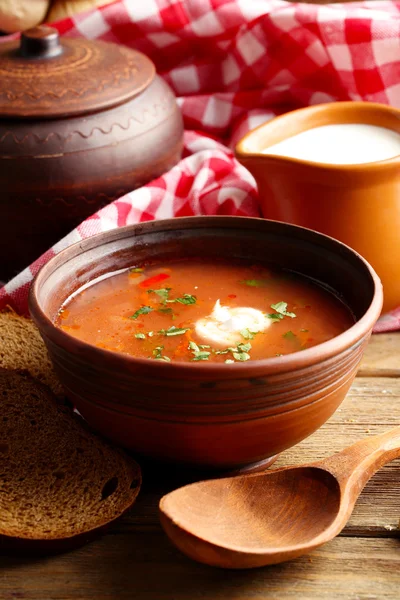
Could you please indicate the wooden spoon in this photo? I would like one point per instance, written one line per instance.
(274, 516)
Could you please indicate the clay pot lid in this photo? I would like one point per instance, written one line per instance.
(43, 76)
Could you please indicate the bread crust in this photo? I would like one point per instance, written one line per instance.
(22, 349)
(68, 432)
(60, 9)
(19, 15)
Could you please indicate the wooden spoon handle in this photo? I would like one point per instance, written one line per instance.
(359, 462)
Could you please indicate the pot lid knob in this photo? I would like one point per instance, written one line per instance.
(40, 42)
(43, 75)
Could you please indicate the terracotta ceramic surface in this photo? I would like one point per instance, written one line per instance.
(209, 415)
(276, 516)
(81, 124)
(357, 204)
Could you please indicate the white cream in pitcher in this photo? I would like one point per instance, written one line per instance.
(341, 144)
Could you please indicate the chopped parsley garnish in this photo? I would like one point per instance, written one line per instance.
(166, 311)
(140, 336)
(244, 347)
(162, 293)
(150, 333)
(241, 356)
(281, 311)
(198, 352)
(274, 316)
(240, 353)
(247, 334)
(201, 355)
(289, 335)
(226, 350)
(157, 353)
(254, 282)
(136, 270)
(281, 308)
(229, 361)
(185, 299)
(174, 331)
(143, 310)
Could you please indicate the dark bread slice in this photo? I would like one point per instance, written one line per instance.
(59, 482)
(22, 349)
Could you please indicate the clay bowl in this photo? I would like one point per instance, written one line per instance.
(214, 416)
(357, 204)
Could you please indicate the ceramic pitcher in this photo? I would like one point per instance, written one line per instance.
(358, 204)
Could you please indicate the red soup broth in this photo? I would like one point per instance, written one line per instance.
(152, 312)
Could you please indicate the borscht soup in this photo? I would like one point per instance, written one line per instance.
(203, 311)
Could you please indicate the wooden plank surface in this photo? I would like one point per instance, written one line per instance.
(136, 561)
(382, 357)
(145, 567)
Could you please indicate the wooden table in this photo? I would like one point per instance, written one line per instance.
(135, 560)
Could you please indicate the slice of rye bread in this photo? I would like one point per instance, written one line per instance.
(22, 349)
(60, 484)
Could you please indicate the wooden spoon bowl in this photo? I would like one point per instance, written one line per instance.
(271, 517)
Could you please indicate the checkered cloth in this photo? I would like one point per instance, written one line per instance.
(234, 64)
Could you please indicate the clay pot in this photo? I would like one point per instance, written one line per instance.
(81, 123)
(357, 204)
(210, 415)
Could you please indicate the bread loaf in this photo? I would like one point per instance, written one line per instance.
(19, 15)
(22, 349)
(60, 484)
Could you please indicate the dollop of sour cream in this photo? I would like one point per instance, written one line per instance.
(223, 326)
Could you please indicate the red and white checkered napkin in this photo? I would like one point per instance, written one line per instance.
(234, 64)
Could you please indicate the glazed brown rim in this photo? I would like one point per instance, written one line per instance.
(334, 107)
(288, 362)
